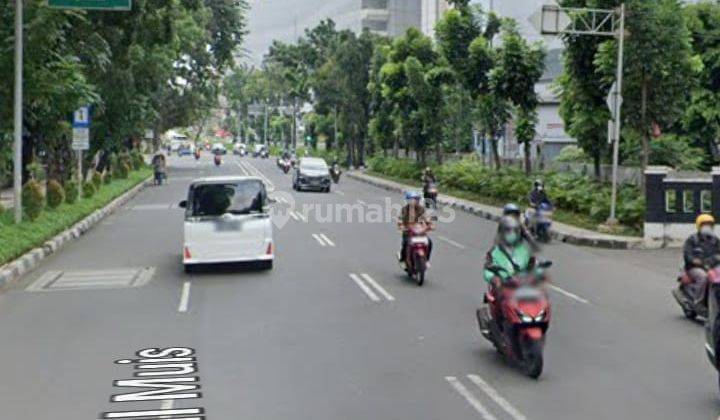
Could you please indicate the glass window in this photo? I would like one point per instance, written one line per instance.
(689, 201)
(234, 198)
(670, 201)
(706, 201)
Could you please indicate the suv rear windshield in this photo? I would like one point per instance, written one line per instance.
(244, 197)
(313, 166)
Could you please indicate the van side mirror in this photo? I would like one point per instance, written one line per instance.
(183, 204)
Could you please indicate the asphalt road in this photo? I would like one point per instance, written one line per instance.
(306, 341)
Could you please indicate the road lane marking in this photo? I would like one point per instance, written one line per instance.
(300, 216)
(495, 395)
(451, 242)
(319, 239)
(362, 203)
(184, 297)
(292, 215)
(570, 295)
(338, 192)
(329, 242)
(470, 398)
(377, 286)
(242, 168)
(259, 174)
(136, 414)
(364, 288)
(167, 404)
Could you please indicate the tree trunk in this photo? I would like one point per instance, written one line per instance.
(528, 165)
(495, 154)
(645, 132)
(396, 147)
(294, 125)
(596, 165)
(438, 153)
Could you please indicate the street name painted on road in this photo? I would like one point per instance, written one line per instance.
(161, 375)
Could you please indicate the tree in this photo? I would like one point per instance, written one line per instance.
(518, 67)
(658, 67)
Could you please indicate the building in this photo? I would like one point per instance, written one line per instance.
(432, 11)
(286, 20)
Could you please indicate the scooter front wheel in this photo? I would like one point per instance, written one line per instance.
(419, 268)
(532, 352)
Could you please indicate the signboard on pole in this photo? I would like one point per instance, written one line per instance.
(91, 4)
(614, 100)
(81, 129)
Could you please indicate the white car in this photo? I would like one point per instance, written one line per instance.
(219, 149)
(226, 221)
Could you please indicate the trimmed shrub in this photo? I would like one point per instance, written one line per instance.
(97, 179)
(88, 189)
(71, 191)
(2, 209)
(33, 200)
(123, 170)
(137, 160)
(55, 194)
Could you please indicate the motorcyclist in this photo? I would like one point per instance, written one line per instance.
(513, 210)
(159, 165)
(538, 195)
(410, 214)
(428, 176)
(700, 252)
(510, 256)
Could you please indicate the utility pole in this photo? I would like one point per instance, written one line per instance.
(556, 20)
(265, 125)
(18, 123)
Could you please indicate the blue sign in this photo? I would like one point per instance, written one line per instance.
(81, 117)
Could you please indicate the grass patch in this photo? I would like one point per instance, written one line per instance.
(562, 216)
(18, 239)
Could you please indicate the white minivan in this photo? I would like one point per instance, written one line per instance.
(226, 221)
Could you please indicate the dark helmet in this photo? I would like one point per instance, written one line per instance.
(511, 209)
(538, 183)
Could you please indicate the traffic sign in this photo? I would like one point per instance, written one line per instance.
(81, 128)
(91, 4)
(81, 117)
(614, 100)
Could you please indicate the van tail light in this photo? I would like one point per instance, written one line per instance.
(269, 249)
(187, 254)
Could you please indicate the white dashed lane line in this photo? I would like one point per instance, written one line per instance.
(184, 297)
(451, 242)
(570, 295)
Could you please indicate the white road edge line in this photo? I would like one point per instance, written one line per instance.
(570, 295)
(495, 395)
(184, 297)
(451, 242)
(364, 288)
(319, 239)
(474, 402)
(379, 288)
(324, 236)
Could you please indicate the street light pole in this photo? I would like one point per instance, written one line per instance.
(618, 119)
(17, 160)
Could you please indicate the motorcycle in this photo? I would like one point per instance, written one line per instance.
(160, 177)
(197, 154)
(712, 325)
(539, 221)
(430, 194)
(264, 154)
(285, 166)
(218, 160)
(517, 322)
(690, 308)
(416, 253)
(335, 173)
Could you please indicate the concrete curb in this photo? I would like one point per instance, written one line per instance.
(14, 270)
(560, 231)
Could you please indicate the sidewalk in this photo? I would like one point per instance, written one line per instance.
(560, 231)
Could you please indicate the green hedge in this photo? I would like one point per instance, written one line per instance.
(569, 192)
(17, 239)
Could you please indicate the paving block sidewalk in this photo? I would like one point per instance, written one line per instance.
(560, 231)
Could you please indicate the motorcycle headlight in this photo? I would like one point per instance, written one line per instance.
(523, 317)
(540, 316)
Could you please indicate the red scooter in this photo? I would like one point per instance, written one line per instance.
(416, 254)
(517, 318)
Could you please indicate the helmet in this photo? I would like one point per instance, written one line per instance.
(509, 230)
(511, 209)
(538, 183)
(704, 219)
(412, 195)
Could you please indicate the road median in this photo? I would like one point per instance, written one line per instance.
(560, 231)
(65, 225)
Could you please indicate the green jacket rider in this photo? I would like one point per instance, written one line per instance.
(511, 254)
